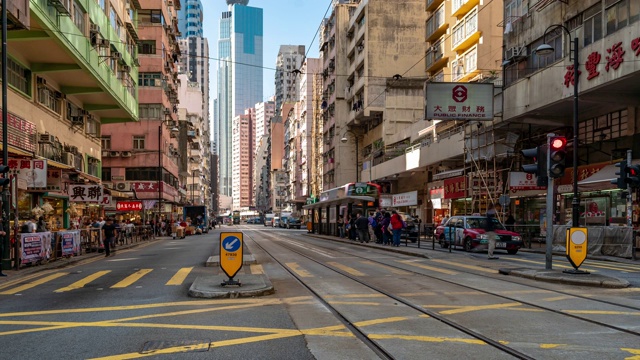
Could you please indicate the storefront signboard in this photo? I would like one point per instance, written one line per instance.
(458, 101)
(85, 193)
(385, 201)
(405, 199)
(32, 173)
(484, 184)
(454, 188)
(20, 132)
(54, 179)
(519, 181)
(129, 205)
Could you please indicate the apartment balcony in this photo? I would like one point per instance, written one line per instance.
(465, 34)
(436, 25)
(18, 15)
(461, 7)
(447, 146)
(433, 4)
(435, 58)
(70, 57)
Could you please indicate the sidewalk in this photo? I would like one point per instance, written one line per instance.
(14, 275)
(557, 276)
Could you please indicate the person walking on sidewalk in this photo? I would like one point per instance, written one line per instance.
(109, 232)
(362, 226)
(387, 236)
(490, 231)
(396, 227)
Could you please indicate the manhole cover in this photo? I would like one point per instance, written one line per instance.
(150, 347)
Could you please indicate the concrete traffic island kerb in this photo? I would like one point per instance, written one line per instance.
(210, 287)
(558, 276)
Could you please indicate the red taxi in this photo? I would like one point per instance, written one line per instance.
(469, 232)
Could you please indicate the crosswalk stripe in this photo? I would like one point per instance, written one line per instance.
(347, 269)
(256, 269)
(180, 276)
(131, 278)
(33, 284)
(81, 283)
(426, 267)
(296, 269)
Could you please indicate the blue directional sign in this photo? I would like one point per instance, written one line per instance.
(231, 252)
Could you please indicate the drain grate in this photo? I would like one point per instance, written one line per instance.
(150, 347)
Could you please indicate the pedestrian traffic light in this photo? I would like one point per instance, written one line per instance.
(633, 175)
(539, 155)
(4, 181)
(621, 181)
(557, 156)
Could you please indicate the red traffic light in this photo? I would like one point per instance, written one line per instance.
(558, 143)
(633, 172)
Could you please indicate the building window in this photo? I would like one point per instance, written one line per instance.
(49, 98)
(150, 111)
(147, 47)
(105, 142)
(150, 16)
(78, 16)
(606, 127)
(19, 76)
(93, 166)
(149, 79)
(138, 142)
(592, 24)
(106, 174)
(619, 13)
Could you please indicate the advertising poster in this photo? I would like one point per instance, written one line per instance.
(35, 247)
(68, 243)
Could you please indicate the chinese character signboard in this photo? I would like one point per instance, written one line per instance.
(54, 179)
(33, 172)
(454, 188)
(405, 199)
(20, 132)
(523, 181)
(459, 101)
(129, 206)
(85, 193)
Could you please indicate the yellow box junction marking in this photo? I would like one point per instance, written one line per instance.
(464, 309)
(470, 267)
(346, 269)
(542, 262)
(426, 267)
(389, 268)
(256, 269)
(33, 284)
(131, 278)
(298, 270)
(180, 276)
(81, 283)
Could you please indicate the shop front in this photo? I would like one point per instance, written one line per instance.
(455, 190)
(436, 196)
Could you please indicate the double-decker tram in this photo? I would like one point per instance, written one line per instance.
(340, 203)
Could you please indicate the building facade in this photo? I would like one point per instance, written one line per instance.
(288, 63)
(190, 19)
(243, 143)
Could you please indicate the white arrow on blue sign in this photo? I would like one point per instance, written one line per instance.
(231, 243)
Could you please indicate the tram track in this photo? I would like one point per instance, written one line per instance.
(360, 334)
(497, 278)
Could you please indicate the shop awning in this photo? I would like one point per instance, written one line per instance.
(56, 164)
(448, 174)
(15, 151)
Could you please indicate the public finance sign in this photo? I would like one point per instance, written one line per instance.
(405, 199)
(459, 101)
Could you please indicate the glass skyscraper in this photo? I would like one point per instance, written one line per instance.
(190, 19)
(239, 77)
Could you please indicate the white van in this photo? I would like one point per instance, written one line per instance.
(268, 219)
(276, 221)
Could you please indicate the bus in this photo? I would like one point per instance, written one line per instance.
(236, 216)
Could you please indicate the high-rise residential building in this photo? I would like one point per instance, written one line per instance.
(190, 19)
(290, 58)
(243, 132)
(142, 155)
(264, 112)
(239, 77)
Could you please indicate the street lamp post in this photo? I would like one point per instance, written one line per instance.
(546, 49)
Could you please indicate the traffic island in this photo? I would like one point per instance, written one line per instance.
(558, 276)
(211, 287)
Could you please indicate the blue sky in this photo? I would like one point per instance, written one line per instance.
(286, 22)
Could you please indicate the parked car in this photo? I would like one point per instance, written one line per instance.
(250, 221)
(283, 221)
(469, 232)
(268, 219)
(257, 220)
(293, 222)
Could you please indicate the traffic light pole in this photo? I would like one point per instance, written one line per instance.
(550, 203)
(629, 191)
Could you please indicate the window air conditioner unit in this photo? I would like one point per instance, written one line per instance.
(68, 158)
(120, 186)
(46, 139)
(77, 120)
(116, 55)
(126, 69)
(515, 52)
(105, 154)
(114, 153)
(103, 42)
(125, 153)
(94, 28)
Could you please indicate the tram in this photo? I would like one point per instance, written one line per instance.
(340, 202)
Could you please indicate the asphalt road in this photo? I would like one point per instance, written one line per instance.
(135, 305)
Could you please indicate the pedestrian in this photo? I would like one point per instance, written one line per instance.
(373, 224)
(378, 229)
(109, 232)
(396, 227)
(490, 231)
(387, 236)
(340, 226)
(510, 222)
(41, 226)
(362, 225)
(29, 226)
(350, 227)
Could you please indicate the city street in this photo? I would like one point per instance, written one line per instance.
(334, 300)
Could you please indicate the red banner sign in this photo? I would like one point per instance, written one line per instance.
(454, 188)
(129, 206)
